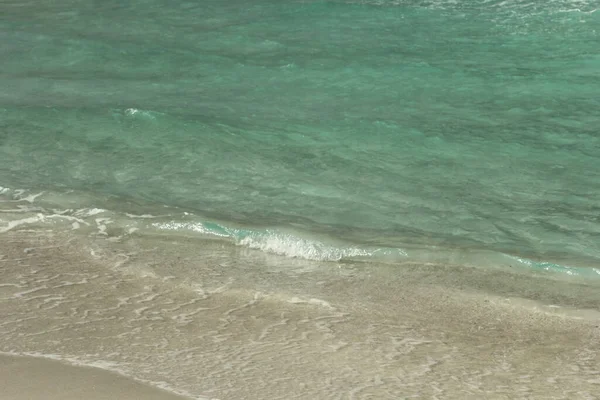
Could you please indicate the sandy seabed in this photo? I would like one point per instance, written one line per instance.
(162, 316)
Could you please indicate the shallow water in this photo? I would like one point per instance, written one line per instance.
(412, 127)
(298, 199)
(208, 320)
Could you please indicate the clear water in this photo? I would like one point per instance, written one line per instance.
(433, 148)
(455, 131)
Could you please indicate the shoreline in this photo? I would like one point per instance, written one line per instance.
(24, 377)
(226, 322)
(120, 218)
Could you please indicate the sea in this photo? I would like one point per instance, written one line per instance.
(305, 199)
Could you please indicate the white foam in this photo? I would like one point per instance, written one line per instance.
(279, 243)
(68, 218)
(89, 212)
(189, 226)
(295, 247)
(33, 290)
(19, 209)
(311, 301)
(135, 112)
(18, 222)
(31, 198)
(101, 224)
(19, 195)
(141, 216)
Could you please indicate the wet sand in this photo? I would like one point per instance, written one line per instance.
(32, 378)
(212, 320)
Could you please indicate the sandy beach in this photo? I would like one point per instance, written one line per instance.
(34, 378)
(209, 320)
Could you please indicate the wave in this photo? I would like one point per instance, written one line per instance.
(583, 6)
(295, 246)
(118, 221)
(281, 243)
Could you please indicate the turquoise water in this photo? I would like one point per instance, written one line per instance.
(402, 130)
